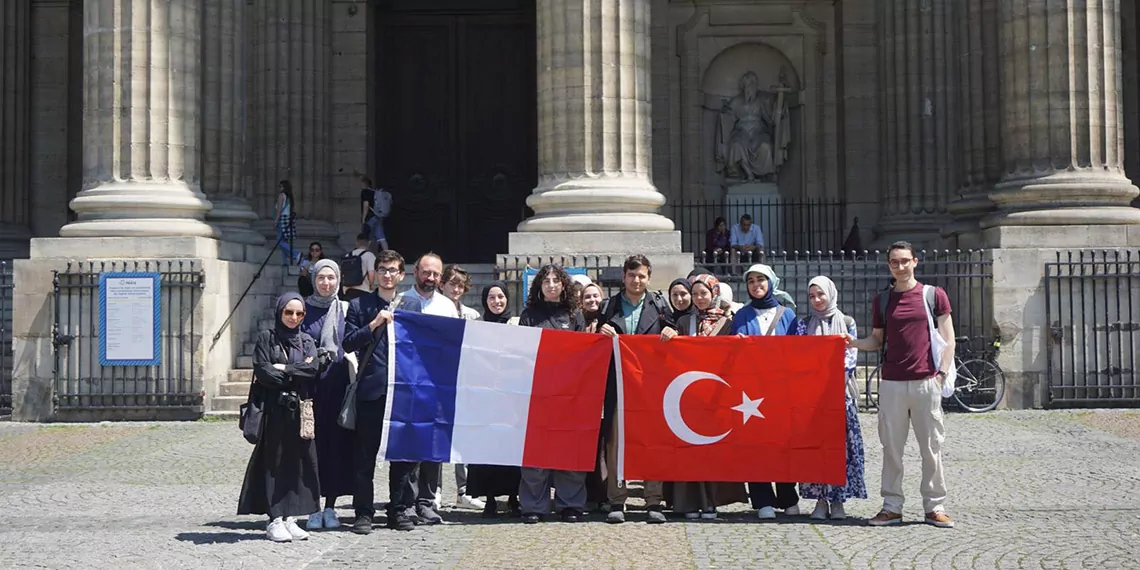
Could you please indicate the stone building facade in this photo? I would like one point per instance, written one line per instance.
(160, 129)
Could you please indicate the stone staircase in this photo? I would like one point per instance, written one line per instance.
(232, 393)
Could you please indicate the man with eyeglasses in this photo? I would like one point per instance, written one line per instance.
(910, 392)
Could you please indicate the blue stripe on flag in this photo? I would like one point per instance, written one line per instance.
(423, 396)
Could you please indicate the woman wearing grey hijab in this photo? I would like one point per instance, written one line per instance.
(324, 321)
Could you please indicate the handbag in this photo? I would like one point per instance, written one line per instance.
(308, 422)
(347, 416)
(251, 418)
(938, 345)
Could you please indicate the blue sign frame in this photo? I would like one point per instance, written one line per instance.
(529, 274)
(156, 279)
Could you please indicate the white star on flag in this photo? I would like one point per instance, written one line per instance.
(749, 407)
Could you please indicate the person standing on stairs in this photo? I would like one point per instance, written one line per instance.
(357, 269)
(324, 321)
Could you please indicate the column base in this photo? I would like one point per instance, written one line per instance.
(601, 249)
(1064, 198)
(140, 209)
(602, 203)
(924, 231)
(233, 218)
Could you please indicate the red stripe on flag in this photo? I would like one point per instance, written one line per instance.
(566, 401)
(800, 438)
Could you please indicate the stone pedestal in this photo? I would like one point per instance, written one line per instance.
(141, 133)
(1061, 101)
(33, 317)
(917, 90)
(594, 131)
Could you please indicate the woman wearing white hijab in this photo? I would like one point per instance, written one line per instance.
(826, 319)
(324, 321)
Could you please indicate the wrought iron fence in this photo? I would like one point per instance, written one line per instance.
(1093, 310)
(516, 271)
(6, 362)
(808, 225)
(82, 383)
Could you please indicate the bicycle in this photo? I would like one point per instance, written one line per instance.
(980, 385)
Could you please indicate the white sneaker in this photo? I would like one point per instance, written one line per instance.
(295, 531)
(437, 502)
(277, 532)
(316, 522)
(820, 511)
(330, 518)
(766, 513)
(837, 512)
(692, 516)
(792, 511)
(469, 502)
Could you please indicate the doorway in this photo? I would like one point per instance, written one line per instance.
(456, 125)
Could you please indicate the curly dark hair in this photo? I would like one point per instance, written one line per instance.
(566, 299)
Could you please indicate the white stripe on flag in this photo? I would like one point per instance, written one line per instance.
(492, 393)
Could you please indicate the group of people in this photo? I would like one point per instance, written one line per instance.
(320, 343)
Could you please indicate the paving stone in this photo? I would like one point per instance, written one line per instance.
(1028, 489)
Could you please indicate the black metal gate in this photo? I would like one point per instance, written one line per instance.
(83, 384)
(5, 339)
(1093, 310)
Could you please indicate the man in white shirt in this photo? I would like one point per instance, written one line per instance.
(747, 240)
(425, 481)
(367, 261)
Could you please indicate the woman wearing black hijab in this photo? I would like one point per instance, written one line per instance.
(281, 478)
(681, 299)
(492, 481)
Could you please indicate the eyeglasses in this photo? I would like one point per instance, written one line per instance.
(431, 274)
(297, 314)
(388, 270)
(900, 262)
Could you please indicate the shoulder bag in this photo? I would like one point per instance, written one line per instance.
(347, 416)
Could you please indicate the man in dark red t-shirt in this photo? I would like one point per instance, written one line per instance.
(910, 392)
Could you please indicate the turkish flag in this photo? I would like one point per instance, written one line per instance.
(732, 409)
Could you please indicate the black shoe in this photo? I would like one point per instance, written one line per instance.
(491, 510)
(514, 507)
(428, 515)
(571, 515)
(656, 515)
(362, 525)
(400, 521)
(531, 518)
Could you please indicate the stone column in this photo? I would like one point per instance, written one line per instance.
(223, 121)
(140, 121)
(15, 131)
(918, 128)
(979, 125)
(594, 128)
(1061, 108)
(290, 112)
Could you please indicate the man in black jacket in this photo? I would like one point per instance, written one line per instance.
(365, 326)
(633, 311)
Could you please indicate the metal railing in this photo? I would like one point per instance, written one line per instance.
(82, 383)
(244, 294)
(1092, 306)
(6, 360)
(967, 277)
(806, 225)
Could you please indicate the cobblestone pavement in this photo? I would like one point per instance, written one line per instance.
(1027, 489)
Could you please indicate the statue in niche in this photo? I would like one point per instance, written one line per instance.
(758, 131)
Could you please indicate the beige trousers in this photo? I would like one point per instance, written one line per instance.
(903, 404)
(654, 491)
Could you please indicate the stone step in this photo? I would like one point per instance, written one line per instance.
(244, 362)
(241, 375)
(224, 415)
(227, 403)
(233, 389)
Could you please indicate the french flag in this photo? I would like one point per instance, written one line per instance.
(474, 392)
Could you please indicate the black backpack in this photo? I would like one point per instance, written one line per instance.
(352, 269)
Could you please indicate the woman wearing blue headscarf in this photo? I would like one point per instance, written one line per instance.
(336, 446)
(281, 478)
(766, 316)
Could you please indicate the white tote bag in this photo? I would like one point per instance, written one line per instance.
(938, 344)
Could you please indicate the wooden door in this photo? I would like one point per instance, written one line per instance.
(456, 129)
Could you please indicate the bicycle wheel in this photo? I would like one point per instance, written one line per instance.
(980, 385)
(871, 390)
